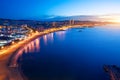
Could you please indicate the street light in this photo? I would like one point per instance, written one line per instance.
(13, 42)
(2, 47)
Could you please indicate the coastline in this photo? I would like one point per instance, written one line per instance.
(6, 72)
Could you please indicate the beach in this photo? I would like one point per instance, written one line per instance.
(9, 71)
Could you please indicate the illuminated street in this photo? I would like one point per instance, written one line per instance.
(5, 70)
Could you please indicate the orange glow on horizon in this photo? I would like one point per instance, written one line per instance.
(116, 20)
(111, 18)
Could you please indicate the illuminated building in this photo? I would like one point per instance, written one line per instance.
(71, 22)
(54, 24)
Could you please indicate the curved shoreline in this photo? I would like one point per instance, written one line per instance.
(7, 55)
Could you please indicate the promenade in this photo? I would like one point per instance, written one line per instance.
(13, 73)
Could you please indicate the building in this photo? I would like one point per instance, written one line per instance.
(71, 22)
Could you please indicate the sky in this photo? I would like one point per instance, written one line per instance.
(33, 9)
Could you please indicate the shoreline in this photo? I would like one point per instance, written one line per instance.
(7, 55)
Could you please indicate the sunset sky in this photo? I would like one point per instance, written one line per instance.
(20, 9)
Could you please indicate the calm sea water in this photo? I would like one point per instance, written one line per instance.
(75, 54)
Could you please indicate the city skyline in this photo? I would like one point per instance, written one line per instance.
(34, 9)
(59, 39)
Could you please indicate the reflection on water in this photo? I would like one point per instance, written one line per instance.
(73, 55)
(33, 46)
(13, 71)
(61, 34)
(50, 37)
(45, 39)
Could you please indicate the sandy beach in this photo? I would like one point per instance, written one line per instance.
(9, 71)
